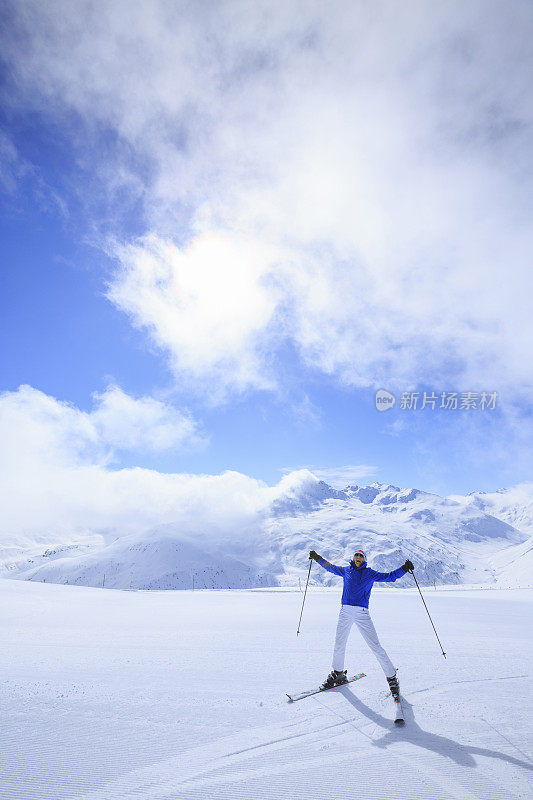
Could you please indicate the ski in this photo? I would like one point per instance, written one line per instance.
(398, 711)
(309, 692)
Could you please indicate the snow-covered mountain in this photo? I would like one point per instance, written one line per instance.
(514, 564)
(449, 540)
(158, 560)
(477, 538)
(514, 505)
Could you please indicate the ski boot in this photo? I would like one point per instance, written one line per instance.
(394, 687)
(335, 678)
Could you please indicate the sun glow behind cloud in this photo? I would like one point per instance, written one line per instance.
(361, 172)
(206, 305)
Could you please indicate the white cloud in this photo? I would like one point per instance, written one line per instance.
(125, 423)
(207, 305)
(35, 427)
(13, 168)
(343, 476)
(349, 179)
(307, 414)
(58, 488)
(340, 476)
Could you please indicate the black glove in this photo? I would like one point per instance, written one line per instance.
(314, 555)
(408, 566)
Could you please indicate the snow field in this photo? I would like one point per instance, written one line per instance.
(114, 695)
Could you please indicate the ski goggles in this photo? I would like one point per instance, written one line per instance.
(359, 553)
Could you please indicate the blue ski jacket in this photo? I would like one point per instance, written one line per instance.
(358, 582)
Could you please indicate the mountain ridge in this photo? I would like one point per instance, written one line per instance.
(450, 539)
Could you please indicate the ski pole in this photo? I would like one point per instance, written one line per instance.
(302, 611)
(429, 615)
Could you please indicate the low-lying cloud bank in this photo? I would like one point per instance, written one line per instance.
(60, 488)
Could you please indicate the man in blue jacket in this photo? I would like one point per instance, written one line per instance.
(358, 581)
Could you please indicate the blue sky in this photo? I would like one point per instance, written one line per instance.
(247, 243)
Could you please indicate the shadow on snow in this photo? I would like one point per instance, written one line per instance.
(462, 754)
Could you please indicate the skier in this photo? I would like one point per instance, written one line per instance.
(358, 581)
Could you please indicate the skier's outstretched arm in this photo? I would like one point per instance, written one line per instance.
(390, 577)
(325, 564)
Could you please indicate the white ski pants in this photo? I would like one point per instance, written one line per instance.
(349, 615)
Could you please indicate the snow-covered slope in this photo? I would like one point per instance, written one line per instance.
(472, 539)
(181, 696)
(514, 505)
(512, 566)
(159, 559)
(152, 563)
